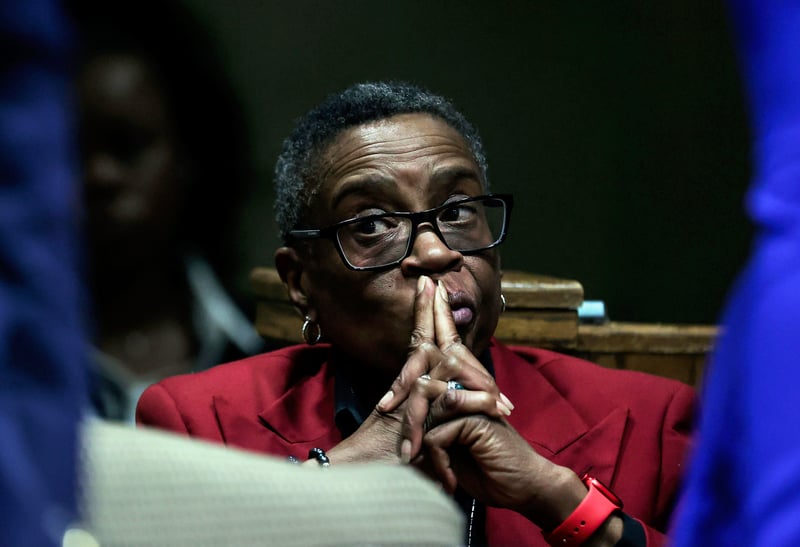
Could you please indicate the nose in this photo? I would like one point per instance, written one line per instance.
(429, 254)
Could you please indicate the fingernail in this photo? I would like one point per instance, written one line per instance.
(442, 291)
(507, 401)
(405, 451)
(421, 284)
(503, 409)
(386, 398)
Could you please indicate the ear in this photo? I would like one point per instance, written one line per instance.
(290, 268)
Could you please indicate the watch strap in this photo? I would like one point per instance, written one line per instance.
(584, 521)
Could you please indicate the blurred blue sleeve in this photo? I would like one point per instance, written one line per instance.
(42, 344)
(743, 486)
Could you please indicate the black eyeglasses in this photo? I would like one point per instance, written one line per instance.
(375, 242)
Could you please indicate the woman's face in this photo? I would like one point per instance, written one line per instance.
(133, 182)
(410, 162)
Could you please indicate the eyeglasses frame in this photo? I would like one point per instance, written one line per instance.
(417, 218)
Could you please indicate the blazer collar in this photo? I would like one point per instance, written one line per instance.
(304, 413)
(584, 441)
(559, 430)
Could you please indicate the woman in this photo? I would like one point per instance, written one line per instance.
(407, 304)
(154, 159)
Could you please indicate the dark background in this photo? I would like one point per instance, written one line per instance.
(619, 126)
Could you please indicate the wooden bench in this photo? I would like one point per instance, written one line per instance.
(540, 311)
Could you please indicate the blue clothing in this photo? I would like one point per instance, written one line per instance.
(743, 483)
(42, 368)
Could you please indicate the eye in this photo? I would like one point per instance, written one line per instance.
(460, 212)
(371, 226)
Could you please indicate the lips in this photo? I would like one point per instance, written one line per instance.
(462, 307)
(462, 316)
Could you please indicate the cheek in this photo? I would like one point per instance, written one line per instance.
(160, 187)
(360, 295)
(156, 173)
(486, 272)
(363, 309)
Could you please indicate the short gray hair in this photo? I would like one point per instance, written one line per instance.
(297, 170)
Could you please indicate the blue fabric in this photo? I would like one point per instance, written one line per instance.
(42, 344)
(743, 487)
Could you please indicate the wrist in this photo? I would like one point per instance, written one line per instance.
(552, 503)
(357, 449)
(593, 521)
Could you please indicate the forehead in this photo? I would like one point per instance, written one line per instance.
(121, 86)
(403, 154)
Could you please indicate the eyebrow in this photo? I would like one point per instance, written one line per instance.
(377, 182)
(454, 173)
(369, 183)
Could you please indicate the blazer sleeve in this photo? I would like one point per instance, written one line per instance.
(676, 443)
(157, 408)
(676, 435)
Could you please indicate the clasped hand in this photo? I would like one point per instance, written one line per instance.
(461, 436)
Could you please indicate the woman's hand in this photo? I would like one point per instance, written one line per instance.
(436, 355)
(394, 428)
(493, 463)
(376, 440)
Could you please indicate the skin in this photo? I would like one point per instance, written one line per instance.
(135, 181)
(431, 315)
(411, 163)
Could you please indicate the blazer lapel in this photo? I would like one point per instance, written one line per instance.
(597, 449)
(585, 440)
(303, 414)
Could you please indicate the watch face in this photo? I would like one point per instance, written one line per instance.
(605, 490)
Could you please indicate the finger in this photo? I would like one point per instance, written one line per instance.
(417, 364)
(414, 419)
(424, 328)
(445, 325)
(457, 402)
(438, 468)
(448, 339)
(432, 403)
(422, 336)
(458, 363)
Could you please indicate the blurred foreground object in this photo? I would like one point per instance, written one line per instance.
(148, 487)
(165, 164)
(742, 485)
(42, 341)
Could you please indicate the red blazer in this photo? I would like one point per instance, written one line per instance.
(629, 429)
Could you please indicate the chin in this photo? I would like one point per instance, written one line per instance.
(471, 339)
(477, 339)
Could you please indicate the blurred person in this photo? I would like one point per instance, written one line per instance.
(742, 486)
(165, 163)
(392, 257)
(42, 332)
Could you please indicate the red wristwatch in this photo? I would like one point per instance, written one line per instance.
(587, 517)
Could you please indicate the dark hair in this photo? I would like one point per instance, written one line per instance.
(208, 116)
(296, 172)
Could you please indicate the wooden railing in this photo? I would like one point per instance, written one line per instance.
(540, 311)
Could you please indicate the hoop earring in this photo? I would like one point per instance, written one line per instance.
(502, 303)
(310, 326)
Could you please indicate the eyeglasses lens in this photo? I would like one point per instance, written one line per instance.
(465, 226)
